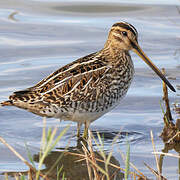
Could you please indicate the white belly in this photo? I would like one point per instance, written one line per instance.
(81, 117)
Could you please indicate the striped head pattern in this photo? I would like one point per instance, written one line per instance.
(123, 35)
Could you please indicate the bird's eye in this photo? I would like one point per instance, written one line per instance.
(124, 33)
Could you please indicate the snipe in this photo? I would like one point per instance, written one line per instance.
(89, 87)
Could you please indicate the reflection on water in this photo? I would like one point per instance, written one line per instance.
(121, 136)
(73, 166)
(96, 8)
(167, 148)
(38, 37)
(73, 163)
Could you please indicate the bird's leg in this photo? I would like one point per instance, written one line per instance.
(86, 126)
(78, 129)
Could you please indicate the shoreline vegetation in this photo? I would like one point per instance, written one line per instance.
(95, 163)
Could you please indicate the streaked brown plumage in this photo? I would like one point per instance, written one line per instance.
(87, 88)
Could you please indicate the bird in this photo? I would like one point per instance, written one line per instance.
(87, 88)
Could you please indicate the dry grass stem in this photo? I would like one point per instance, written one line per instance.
(132, 165)
(12, 16)
(86, 153)
(92, 154)
(112, 165)
(166, 99)
(16, 176)
(6, 175)
(159, 176)
(20, 157)
(171, 139)
(156, 157)
(30, 176)
(167, 154)
(16, 153)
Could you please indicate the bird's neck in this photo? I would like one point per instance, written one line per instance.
(112, 52)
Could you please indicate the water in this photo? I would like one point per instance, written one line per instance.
(38, 37)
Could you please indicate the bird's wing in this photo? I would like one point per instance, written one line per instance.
(79, 80)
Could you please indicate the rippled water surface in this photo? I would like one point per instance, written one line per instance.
(38, 37)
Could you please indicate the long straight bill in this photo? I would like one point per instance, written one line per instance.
(140, 53)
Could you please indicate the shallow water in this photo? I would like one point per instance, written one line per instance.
(38, 37)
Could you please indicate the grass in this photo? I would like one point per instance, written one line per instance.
(92, 157)
(127, 161)
(49, 141)
(98, 163)
(95, 170)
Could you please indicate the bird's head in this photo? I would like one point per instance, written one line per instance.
(124, 37)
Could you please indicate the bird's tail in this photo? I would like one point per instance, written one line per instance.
(14, 98)
(6, 103)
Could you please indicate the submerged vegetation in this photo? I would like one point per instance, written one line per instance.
(87, 162)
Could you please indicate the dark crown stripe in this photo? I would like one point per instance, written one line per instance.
(126, 26)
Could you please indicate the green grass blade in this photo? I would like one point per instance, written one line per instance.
(161, 106)
(127, 161)
(22, 177)
(59, 172)
(49, 135)
(54, 164)
(109, 157)
(6, 176)
(49, 146)
(164, 114)
(100, 146)
(63, 177)
(60, 136)
(30, 156)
